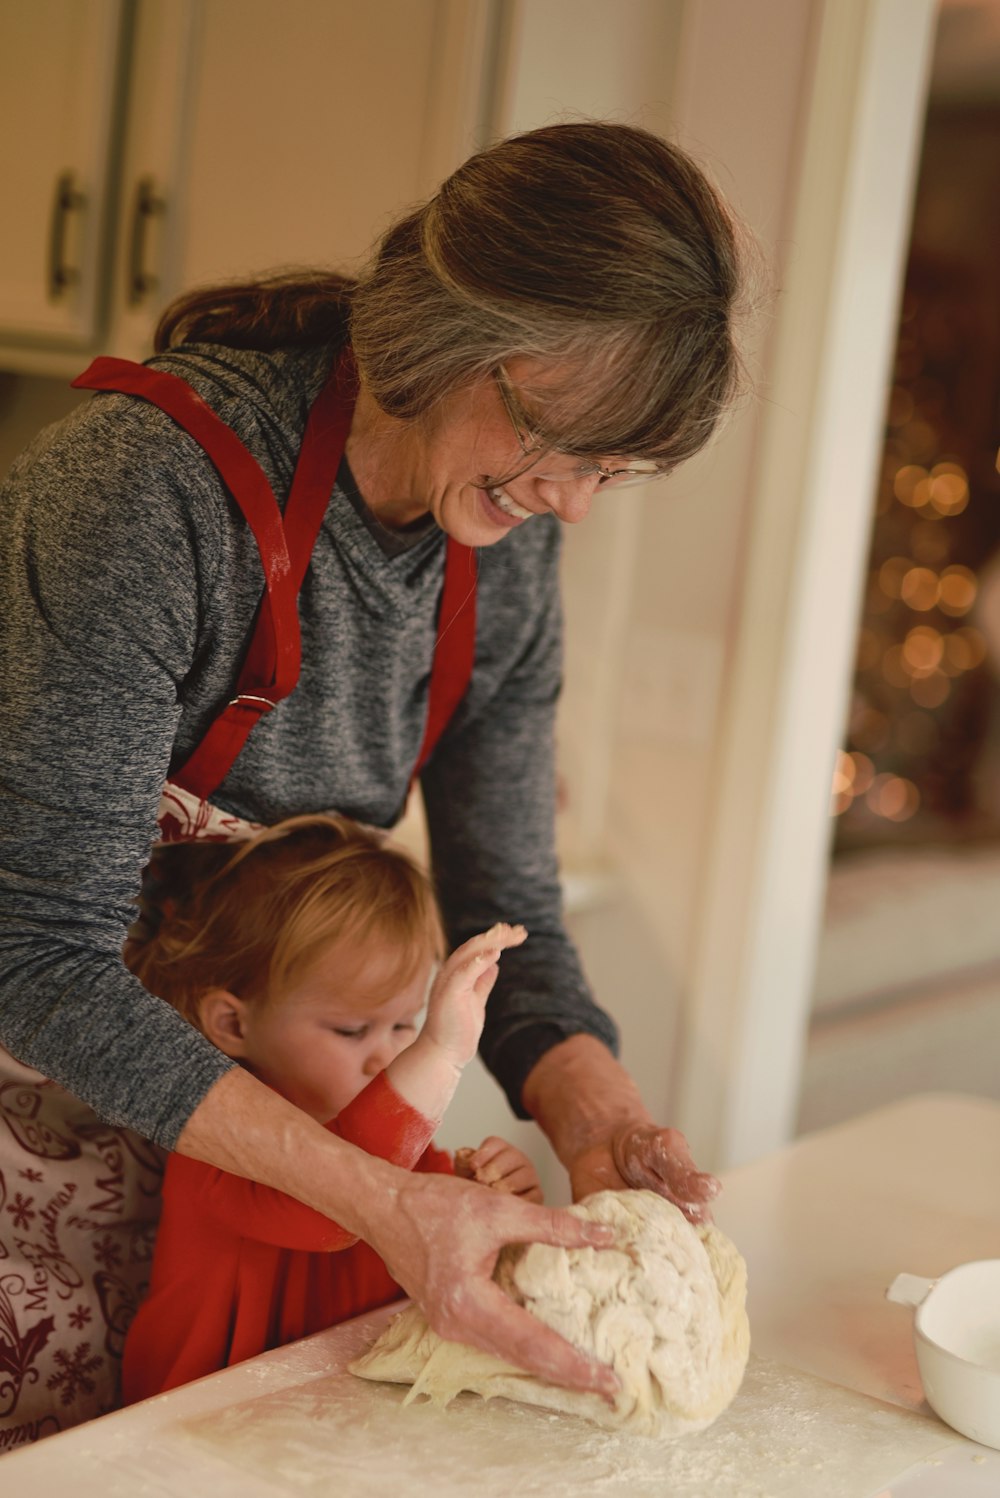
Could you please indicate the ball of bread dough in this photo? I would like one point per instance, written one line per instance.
(666, 1308)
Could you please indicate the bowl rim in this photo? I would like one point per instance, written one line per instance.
(955, 1357)
(922, 1335)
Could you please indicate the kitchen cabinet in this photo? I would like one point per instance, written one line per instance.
(157, 144)
(59, 95)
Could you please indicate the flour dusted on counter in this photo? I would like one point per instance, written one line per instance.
(666, 1310)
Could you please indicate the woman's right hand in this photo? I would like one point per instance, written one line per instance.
(440, 1238)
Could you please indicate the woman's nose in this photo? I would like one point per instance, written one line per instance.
(569, 501)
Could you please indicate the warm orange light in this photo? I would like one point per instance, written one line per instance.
(907, 482)
(949, 489)
(922, 650)
(919, 589)
(893, 797)
(959, 587)
(843, 773)
(864, 773)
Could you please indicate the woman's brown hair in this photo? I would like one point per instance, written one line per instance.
(249, 916)
(596, 249)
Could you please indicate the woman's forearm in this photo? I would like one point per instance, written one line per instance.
(592, 1112)
(244, 1127)
(579, 1095)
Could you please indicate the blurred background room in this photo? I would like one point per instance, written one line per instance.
(818, 593)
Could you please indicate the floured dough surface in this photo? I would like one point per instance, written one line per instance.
(666, 1310)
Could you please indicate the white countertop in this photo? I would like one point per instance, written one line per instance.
(825, 1225)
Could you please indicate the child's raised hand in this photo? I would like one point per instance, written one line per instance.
(456, 1008)
(500, 1166)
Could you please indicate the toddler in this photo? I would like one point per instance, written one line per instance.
(306, 953)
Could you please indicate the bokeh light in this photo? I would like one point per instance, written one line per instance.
(922, 650)
(958, 591)
(919, 589)
(893, 797)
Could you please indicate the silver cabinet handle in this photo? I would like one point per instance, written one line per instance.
(68, 199)
(148, 205)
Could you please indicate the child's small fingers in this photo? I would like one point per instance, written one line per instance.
(519, 1181)
(488, 1150)
(503, 935)
(520, 1177)
(463, 1163)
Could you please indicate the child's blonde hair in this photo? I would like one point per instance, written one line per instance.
(248, 916)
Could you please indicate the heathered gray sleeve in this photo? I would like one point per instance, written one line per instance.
(490, 797)
(97, 554)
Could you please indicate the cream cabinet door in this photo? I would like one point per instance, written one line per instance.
(59, 94)
(152, 207)
(313, 122)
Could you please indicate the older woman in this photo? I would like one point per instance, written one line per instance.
(397, 455)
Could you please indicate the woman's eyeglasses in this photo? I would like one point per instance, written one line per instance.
(535, 450)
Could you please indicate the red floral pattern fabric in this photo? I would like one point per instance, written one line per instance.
(79, 1203)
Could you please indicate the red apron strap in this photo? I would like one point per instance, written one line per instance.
(455, 650)
(242, 476)
(323, 443)
(271, 667)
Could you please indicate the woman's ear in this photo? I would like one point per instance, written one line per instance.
(222, 1018)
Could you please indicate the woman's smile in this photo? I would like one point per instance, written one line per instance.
(510, 506)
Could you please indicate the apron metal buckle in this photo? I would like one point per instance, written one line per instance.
(253, 702)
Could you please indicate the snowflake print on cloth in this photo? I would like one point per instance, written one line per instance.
(21, 1210)
(79, 1317)
(107, 1252)
(74, 1372)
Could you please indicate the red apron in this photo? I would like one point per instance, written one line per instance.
(271, 667)
(78, 1198)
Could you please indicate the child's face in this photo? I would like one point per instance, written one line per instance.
(321, 1040)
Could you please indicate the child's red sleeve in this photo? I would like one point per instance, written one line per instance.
(382, 1123)
(378, 1121)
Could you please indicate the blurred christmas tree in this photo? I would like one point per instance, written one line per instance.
(924, 695)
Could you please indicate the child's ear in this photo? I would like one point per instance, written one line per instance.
(222, 1017)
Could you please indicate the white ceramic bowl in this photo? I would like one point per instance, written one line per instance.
(956, 1332)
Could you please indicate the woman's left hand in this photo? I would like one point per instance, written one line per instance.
(646, 1157)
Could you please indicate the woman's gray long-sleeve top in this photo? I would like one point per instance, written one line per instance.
(129, 586)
